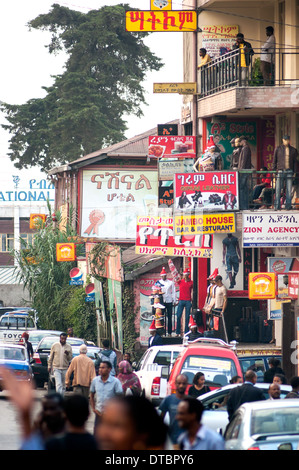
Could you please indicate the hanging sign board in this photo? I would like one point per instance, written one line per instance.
(160, 21)
(186, 88)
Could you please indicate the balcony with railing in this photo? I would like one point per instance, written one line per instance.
(224, 85)
(268, 190)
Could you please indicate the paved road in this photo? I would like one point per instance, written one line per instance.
(10, 433)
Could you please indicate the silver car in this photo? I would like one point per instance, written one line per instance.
(215, 415)
(264, 425)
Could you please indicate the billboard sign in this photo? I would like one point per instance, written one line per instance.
(270, 229)
(161, 21)
(206, 191)
(155, 235)
(204, 224)
(174, 146)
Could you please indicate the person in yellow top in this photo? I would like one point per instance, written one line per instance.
(246, 53)
(205, 58)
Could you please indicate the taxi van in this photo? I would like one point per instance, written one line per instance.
(213, 357)
(14, 324)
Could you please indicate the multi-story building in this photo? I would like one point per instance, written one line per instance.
(235, 98)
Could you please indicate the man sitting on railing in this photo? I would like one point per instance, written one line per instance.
(285, 163)
(267, 57)
(260, 189)
(246, 53)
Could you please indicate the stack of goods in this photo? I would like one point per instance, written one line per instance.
(158, 308)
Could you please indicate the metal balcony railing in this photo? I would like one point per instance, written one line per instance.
(227, 71)
(268, 190)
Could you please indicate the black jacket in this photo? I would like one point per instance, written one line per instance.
(249, 52)
(244, 393)
(279, 158)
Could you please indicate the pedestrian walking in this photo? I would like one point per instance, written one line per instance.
(83, 370)
(107, 354)
(60, 357)
(76, 408)
(129, 380)
(196, 436)
(295, 388)
(131, 423)
(244, 393)
(170, 404)
(103, 387)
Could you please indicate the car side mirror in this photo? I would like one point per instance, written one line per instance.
(165, 372)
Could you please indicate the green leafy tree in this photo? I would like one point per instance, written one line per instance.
(85, 108)
(47, 279)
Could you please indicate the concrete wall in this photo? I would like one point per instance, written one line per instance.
(14, 295)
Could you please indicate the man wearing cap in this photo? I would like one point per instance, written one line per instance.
(244, 164)
(169, 298)
(193, 333)
(155, 339)
(185, 300)
(285, 163)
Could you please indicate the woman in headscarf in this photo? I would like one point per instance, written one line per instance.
(129, 380)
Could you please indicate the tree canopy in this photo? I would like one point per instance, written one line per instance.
(84, 110)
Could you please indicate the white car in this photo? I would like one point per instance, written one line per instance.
(154, 368)
(216, 417)
(265, 425)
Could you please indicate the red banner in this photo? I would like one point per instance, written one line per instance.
(174, 146)
(217, 190)
(155, 235)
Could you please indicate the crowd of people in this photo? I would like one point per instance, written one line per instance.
(123, 418)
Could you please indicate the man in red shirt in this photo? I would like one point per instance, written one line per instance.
(185, 301)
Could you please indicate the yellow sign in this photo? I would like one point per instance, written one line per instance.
(65, 251)
(187, 88)
(261, 286)
(161, 4)
(204, 224)
(36, 220)
(160, 21)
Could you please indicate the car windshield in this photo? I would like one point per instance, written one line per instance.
(47, 343)
(12, 354)
(36, 336)
(17, 322)
(276, 420)
(217, 370)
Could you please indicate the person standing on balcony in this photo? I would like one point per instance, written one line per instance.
(234, 157)
(244, 164)
(204, 56)
(285, 163)
(267, 57)
(246, 53)
(185, 300)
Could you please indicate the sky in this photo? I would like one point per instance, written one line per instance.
(27, 66)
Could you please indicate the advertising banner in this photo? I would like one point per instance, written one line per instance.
(206, 191)
(111, 201)
(160, 21)
(261, 286)
(174, 146)
(168, 167)
(223, 131)
(204, 224)
(270, 229)
(155, 236)
(219, 39)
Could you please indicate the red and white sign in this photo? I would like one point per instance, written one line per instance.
(217, 190)
(172, 146)
(155, 236)
(293, 285)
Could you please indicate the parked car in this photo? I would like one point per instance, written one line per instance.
(265, 425)
(35, 336)
(16, 358)
(154, 368)
(215, 416)
(259, 363)
(215, 358)
(39, 362)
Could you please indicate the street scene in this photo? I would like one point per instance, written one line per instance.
(149, 214)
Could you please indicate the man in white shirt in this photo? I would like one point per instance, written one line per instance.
(169, 298)
(268, 57)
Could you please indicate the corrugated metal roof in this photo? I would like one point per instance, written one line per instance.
(9, 275)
